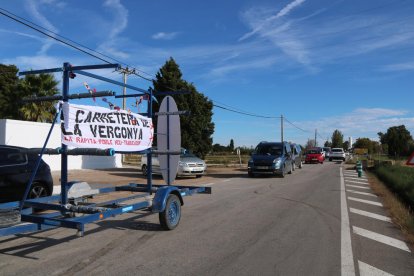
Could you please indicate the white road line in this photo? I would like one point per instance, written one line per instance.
(367, 270)
(227, 180)
(356, 182)
(359, 187)
(347, 257)
(360, 193)
(357, 178)
(209, 184)
(365, 201)
(381, 238)
(369, 214)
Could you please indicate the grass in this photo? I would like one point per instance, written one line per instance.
(226, 159)
(399, 212)
(400, 180)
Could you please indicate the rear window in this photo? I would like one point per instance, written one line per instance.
(337, 150)
(314, 151)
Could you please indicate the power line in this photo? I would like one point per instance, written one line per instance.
(289, 122)
(247, 114)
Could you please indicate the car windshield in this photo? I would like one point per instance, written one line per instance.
(337, 150)
(269, 150)
(186, 153)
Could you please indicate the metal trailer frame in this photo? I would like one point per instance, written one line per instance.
(62, 211)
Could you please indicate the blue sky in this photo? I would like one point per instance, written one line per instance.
(323, 64)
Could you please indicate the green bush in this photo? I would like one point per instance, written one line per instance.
(400, 180)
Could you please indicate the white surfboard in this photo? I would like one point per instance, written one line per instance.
(168, 139)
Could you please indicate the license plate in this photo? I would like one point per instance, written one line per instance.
(262, 167)
(314, 159)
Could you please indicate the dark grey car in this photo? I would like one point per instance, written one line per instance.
(271, 158)
(16, 167)
(297, 156)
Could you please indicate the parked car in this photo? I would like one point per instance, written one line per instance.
(314, 155)
(337, 154)
(327, 151)
(16, 168)
(297, 156)
(271, 158)
(189, 165)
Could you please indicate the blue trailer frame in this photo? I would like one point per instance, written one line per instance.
(166, 200)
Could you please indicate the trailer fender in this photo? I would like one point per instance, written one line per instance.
(160, 198)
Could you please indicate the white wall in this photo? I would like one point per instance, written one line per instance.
(33, 135)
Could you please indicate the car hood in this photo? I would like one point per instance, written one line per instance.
(191, 160)
(265, 157)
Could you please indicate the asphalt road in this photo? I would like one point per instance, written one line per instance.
(259, 226)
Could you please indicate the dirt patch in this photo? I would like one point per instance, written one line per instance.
(123, 176)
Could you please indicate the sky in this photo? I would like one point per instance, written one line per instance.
(322, 64)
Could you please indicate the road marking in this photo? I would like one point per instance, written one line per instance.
(365, 201)
(359, 187)
(356, 182)
(209, 184)
(347, 258)
(369, 214)
(381, 238)
(227, 180)
(358, 178)
(360, 193)
(367, 270)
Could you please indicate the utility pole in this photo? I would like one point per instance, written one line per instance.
(316, 134)
(281, 127)
(125, 73)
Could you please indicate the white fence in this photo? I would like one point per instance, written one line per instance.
(33, 135)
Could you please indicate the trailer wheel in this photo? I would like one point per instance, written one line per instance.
(170, 217)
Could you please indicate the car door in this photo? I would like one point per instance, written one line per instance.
(13, 173)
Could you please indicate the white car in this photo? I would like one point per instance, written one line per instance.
(337, 154)
(189, 164)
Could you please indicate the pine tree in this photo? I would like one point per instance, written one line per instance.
(197, 128)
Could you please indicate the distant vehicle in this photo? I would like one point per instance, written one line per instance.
(314, 155)
(337, 154)
(327, 151)
(16, 168)
(296, 156)
(271, 158)
(189, 165)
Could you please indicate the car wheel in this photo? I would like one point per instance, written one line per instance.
(38, 190)
(283, 172)
(144, 170)
(199, 176)
(250, 174)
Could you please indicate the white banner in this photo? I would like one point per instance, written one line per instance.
(86, 126)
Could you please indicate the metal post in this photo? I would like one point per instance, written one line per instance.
(281, 127)
(124, 78)
(168, 142)
(316, 133)
(64, 156)
(149, 155)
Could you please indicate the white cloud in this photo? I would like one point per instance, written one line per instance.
(164, 36)
(408, 66)
(25, 63)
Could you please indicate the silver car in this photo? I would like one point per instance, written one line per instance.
(189, 164)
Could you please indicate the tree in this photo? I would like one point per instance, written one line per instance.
(345, 145)
(39, 86)
(310, 144)
(231, 145)
(10, 95)
(337, 139)
(197, 128)
(13, 90)
(398, 139)
(327, 144)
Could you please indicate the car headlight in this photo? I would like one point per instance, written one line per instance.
(277, 162)
(250, 160)
(182, 164)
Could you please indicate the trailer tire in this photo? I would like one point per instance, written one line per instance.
(170, 217)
